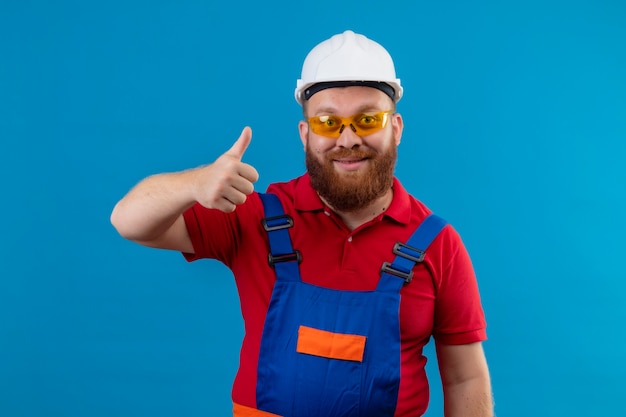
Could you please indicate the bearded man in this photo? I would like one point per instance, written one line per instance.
(343, 276)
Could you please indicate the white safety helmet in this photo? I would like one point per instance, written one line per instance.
(348, 59)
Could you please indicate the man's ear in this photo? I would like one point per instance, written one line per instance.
(397, 124)
(303, 128)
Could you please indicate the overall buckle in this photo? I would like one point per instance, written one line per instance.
(277, 222)
(287, 257)
(389, 269)
(407, 252)
(414, 254)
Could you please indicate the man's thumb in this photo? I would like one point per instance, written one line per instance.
(240, 146)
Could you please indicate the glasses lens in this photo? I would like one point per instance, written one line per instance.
(362, 124)
(329, 126)
(368, 123)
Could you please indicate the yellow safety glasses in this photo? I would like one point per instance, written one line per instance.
(362, 124)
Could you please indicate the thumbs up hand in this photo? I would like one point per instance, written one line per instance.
(227, 182)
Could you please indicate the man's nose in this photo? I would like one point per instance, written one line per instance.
(348, 138)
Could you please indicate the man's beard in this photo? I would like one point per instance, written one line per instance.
(351, 191)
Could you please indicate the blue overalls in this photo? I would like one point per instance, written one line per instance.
(327, 352)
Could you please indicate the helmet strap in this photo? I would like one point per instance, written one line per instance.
(316, 88)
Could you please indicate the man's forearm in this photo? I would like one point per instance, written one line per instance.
(470, 398)
(152, 206)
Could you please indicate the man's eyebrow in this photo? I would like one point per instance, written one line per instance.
(325, 110)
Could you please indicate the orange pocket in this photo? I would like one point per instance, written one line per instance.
(243, 411)
(317, 342)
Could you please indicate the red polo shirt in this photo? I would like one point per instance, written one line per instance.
(442, 300)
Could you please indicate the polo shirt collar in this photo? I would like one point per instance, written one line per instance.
(306, 199)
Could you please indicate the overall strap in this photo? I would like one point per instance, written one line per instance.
(276, 223)
(410, 253)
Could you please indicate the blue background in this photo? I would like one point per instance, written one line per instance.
(515, 132)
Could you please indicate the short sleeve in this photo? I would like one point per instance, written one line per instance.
(459, 316)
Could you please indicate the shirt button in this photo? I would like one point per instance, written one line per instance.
(350, 239)
(327, 213)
